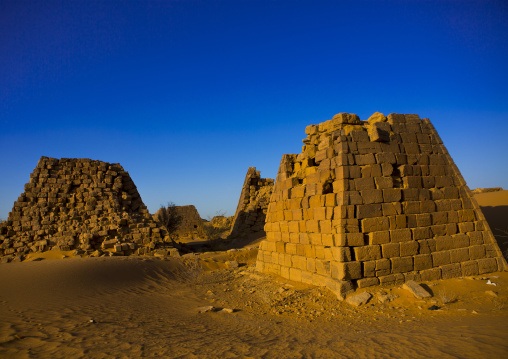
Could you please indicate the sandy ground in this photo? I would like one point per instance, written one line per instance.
(140, 307)
(148, 307)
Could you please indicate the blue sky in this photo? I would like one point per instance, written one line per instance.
(186, 95)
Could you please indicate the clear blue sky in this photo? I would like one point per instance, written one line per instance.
(186, 95)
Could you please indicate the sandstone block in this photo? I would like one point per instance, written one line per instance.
(469, 268)
(379, 133)
(402, 264)
(369, 268)
(368, 252)
(384, 183)
(459, 255)
(451, 271)
(295, 274)
(417, 290)
(379, 237)
(363, 160)
(487, 265)
(422, 261)
(364, 183)
(369, 210)
(376, 117)
(400, 235)
(372, 196)
(392, 279)
(375, 224)
(409, 248)
(346, 271)
(341, 254)
(441, 258)
(359, 299)
(391, 250)
(367, 282)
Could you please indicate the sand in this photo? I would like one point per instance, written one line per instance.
(143, 307)
(148, 307)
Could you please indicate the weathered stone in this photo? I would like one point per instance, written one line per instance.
(232, 264)
(249, 219)
(359, 299)
(374, 202)
(417, 290)
(376, 117)
(189, 225)
(85, 205)
(206, 309)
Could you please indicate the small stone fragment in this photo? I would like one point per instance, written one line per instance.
(359, 299)
(232, 264)
(228, 310)
(208, 308)
(376, 117)
(491, 292)
(417, 290)
(434, 307)
(383, 297)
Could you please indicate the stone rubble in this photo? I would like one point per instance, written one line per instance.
(79, 204)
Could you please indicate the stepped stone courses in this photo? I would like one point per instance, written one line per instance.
(78, 204)
(249, 219)
(374, 202)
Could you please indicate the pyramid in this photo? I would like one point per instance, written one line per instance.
(374, 202)
(249, 219)
(78, 204)
(190, 223)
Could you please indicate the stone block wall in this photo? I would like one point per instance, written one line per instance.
(249, 219)
(78, 204)
(191, 225)
(374, 202)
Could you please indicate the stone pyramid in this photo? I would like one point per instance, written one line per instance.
(189, 223)
(374, 202)
(78, 204)
(249, 219)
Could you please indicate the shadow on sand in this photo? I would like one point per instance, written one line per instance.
(497, 217)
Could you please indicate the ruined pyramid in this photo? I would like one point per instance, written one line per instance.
(249, 219)
(374, 202)
(78, 204)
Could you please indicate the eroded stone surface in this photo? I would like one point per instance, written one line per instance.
(417, 290)
(359, 299)
(249, 219)
(376, 202)
(82, 204)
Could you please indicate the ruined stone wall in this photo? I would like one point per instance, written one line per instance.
(78, 204)
(191, 226)
(249, 219)
(190, 223)
(374, 202)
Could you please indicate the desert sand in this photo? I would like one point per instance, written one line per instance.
(135, 307)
